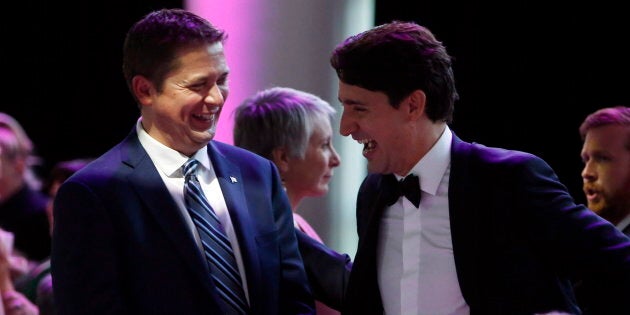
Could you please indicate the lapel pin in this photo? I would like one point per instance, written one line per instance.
(233, 179)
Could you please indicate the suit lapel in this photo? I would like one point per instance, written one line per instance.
(363, 293)
(463, 215)
(231, 182)
(146, 181)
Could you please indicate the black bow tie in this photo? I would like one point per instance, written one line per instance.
(408, 187)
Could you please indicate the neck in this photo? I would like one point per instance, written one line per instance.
(427, 137)
(294, 200)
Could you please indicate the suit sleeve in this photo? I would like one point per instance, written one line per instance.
(83, 254)
(328, 271)
(295, 294)
(576, 240)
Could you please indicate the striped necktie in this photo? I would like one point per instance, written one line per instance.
(216, 246)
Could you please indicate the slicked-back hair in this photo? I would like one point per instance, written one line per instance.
(617, 115)
(398, 58)
(279, 117)
(153, 42)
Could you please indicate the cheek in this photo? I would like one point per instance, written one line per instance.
(322, 169)
(312, 170)
(625, 187)
(225, 92)
(321, 160)
(612, 180)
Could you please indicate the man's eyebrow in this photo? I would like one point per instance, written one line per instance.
(350, 102)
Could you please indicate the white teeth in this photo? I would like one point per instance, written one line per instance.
(368, 144)
(205, 117)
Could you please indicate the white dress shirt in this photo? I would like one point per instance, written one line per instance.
(416, 266)
(169, 164)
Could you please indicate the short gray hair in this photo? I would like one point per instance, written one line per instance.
(279, 117)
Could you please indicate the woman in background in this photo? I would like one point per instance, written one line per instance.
(293, 129)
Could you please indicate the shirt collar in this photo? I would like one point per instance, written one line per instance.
(624, 223)
(165, 159)
(433, 165)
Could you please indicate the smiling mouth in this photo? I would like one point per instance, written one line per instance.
(368, 145)
(205, 117)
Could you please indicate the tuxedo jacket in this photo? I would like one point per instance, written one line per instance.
(594, 299)
(518, 238)
(121, 245)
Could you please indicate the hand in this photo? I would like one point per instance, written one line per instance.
(19, 265)
(15, 303)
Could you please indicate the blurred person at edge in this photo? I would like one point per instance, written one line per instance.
(13, 301)
(22, 208)
(293, 129)
(606, 183)
(36, 284)
(22, 203)
(606, 156)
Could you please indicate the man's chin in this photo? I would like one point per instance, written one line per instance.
(596, 207)
(203, 137)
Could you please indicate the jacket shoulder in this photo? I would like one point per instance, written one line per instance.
(479, 155)
(230, 150)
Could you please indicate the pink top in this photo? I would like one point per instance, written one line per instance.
(303, 226)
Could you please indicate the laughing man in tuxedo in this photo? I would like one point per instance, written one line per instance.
(493, 231)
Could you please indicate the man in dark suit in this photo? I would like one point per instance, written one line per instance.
(482, 231)
(129, 235)
(606, 181)
(22, 203)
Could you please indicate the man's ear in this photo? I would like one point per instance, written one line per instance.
(280, 157)
(417, 103)
(143, 89)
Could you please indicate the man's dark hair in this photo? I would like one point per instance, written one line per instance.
(398, 58)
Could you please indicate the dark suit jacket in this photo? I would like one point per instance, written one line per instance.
(518, 239)
(328, 271)
(121, 246)
(594, 298)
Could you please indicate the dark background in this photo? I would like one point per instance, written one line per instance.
(527, 72)
(65, 83)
